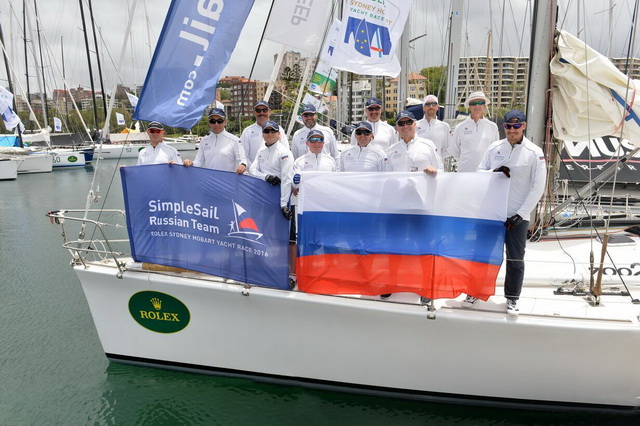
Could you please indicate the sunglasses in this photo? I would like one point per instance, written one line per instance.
(261, 110)
(376, 108)
(430, 104)
(270, 131)
(155, 131)
(363, 132)
(476, 103)
(308, 114)
(510, 126)
(218, 121)
(404, 123)
(316, 140)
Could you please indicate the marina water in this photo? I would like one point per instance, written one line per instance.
(53, 370)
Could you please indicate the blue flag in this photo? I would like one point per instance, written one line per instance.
(210, 221)
(195, 45)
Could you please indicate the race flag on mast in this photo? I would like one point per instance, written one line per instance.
(57, 124)
(324, 77)
(120, 119)
(369, 35)
(297, 25)
(10, 118)
(133, 99)
(195, 45)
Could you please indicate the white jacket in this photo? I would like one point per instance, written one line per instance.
(252, 141)
(413, 156)
(437, 132)
(299, 142)
(367, 159)
(384, 135)
(162, 153)
(222, 151)
(276, 160)
(470, 140)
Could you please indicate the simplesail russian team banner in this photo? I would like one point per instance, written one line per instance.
(210, 221)
(369, 34)
(378, 233)
(195, 45)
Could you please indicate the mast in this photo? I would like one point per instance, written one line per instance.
(44, 85)
(453, 63)
(6, 65)
(95, 42)
(26, 55)
(403, 81)
(544, 22)
(64, 78)
(86, 44)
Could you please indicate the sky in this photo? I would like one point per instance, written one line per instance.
(61, 25)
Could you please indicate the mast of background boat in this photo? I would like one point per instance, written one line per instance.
(95, 42)
(404, 67)
(44, 85)
(453, 62)
(86, 45)
(26, 60)
(9, 79)
(64, 77)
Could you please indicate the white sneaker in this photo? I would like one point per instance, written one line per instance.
(512, 307)
(469, 301)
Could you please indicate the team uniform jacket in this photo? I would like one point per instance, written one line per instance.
(384, 135)
(470, 141)
(161, 154)
(437, 132)
(362, 159)
(299, 140)
(276, 160)
(221, 151)
(528, 173)
(252, 141)
(313, 162)
(413, 156)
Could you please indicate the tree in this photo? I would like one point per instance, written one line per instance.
(436, 80)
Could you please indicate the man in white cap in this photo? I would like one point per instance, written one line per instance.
(384, 134)
(274, 164)
(431, 128)
(219, 150)
(364, 156)
(412, 153)
(157, 152)
(251, 137)
(523, 162)
(310, 120)
(472, 137)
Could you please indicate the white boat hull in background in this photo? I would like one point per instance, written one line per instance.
(8, 168)
(67, 158)
(181, 145)
(111, 151)
(41, 162)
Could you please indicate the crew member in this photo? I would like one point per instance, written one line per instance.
(310, 120)
(220, 150)
(385, 136)
(364, 156)
(433, 129)
(412, 153)
(157, 152)
(251, 137)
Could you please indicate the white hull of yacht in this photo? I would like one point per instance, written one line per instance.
(8, 168)
(181, 145)
(559, 351)
(111, 151)
(35, 163)
(67, 159)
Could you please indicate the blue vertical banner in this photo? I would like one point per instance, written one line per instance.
(195, 45)
(210, 221)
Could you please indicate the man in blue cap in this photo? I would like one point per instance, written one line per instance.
(364, 156)
(251, 137)
(220, 150)
(157, 152)
(523, 162)
(412, 153)
(299, 139)
(385, 135)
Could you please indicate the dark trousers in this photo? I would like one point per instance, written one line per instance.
(515, 242)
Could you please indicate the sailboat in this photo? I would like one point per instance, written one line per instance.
(547, 357)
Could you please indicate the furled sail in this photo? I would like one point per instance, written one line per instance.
(591, 98)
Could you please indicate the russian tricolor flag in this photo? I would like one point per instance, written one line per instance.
(377, 233)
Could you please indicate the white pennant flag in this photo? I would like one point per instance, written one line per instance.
(133, 99)
(369, 36)
(298, 25)
(120, 119)
(9, 117)
(220, 105)
(57, 124)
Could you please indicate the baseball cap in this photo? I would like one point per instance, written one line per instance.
(405, 114)
(513, 114)
(271, 124)
(430, 98)
(313, 133)
(217, 111)
(372, 102)
(261, 103)
(309, 108)
(364, 125)
(155, 125)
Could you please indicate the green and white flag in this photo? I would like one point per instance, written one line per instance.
(324, 77)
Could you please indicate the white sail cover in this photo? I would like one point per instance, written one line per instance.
(590, 98)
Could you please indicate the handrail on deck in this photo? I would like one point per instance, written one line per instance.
(58, 217)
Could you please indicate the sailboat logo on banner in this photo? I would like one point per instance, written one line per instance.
(243, 226)
(369, 38)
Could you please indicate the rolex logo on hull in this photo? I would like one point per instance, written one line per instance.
(159, 312)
